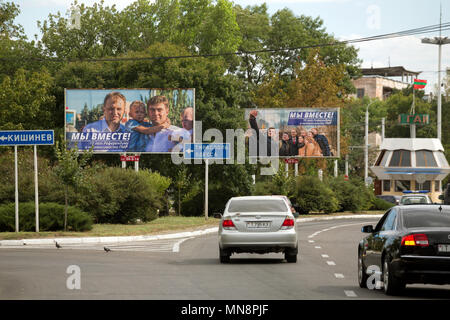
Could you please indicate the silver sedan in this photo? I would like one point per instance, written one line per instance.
(257, 224)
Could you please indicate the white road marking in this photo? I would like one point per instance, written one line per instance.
(331, 263)
(339, 275)
(350, 293)
(176, 246)
(334, 227)
(318, 247)
(311, 241)
(325, 256)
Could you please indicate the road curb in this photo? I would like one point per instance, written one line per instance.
(119, 239)
(96, 240)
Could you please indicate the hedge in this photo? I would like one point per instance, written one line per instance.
(51, 217)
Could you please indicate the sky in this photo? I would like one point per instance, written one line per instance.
(345, 19)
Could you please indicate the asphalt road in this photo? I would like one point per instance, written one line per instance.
(189, 268)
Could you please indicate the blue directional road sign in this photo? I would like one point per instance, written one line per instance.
(207, 151)
(27, 138)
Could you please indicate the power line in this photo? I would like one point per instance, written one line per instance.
(415, 31)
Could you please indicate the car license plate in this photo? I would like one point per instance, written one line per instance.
(258, 224)
(443, 247)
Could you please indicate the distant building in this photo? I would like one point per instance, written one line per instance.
(380, 82)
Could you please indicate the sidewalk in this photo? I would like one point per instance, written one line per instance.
(119, 239)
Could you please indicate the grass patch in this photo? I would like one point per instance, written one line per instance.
(157, 226)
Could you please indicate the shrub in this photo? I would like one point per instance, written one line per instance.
(380, 204)
(312, 195)
(51, 217)
(351, 195)
(192, 203)
(115, 195)
(25, 165)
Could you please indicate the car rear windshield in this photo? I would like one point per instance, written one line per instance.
(427, 219)
(257, 206)
(414, 200)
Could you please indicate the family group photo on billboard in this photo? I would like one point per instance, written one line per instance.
(302, 132)
(129, 120)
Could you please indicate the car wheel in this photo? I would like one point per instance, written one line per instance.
(362, 273)
(224, 256)
(291, 258)
(392, 284)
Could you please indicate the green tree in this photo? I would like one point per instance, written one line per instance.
(28, 101)
(70, 170)
(254, 25)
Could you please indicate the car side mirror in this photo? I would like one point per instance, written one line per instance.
(367, 229)
(217, 215)
(296, 214)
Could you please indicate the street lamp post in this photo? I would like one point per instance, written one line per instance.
(439, 41)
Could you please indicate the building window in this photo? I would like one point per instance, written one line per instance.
(382, 158)
(442, 160)
(423, 186)
(401, 158)
(387, 185)
(425, 158)
(437, 185)
(402, 185)
(360, 93)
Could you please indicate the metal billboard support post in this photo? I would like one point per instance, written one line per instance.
(36, 192)
(16, 190)
(335, 168)
(206, 189)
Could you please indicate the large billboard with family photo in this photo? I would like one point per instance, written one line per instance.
(301, 132)
(129, 120)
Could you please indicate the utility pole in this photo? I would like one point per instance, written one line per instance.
(366, 145)
(440, 41)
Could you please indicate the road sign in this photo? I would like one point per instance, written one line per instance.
(291, 160)
(27, 138)
(129, 158)
(207, 151)
(416, 118)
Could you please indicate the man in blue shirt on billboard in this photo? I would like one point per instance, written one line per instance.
(113, 111)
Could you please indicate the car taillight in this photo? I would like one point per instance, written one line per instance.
(415, 240)
(288, 223)
(228, 224)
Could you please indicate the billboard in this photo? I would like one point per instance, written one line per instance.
(299, 132)
(129, 120)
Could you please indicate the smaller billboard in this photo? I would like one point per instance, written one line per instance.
(301, 132)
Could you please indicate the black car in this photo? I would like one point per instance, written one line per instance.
(410, 244)
(389, 198)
